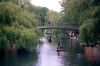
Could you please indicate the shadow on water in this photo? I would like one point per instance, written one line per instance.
(18, 59)
(81, 56)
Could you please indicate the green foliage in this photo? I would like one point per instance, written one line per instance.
(3, 41)
(8, 12)
(28, 38)
(42, 13)
(86, 14)
(89, 34)
(18, 25)
(53, 17)
(73, 10)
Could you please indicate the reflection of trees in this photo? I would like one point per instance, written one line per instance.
(76, 46)
(92, 53)
(14, 59)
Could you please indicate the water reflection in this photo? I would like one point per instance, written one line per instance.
(48, 55)
(13, 59)
(75, 55)
(92, 53)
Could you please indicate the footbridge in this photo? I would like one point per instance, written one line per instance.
(61, 26)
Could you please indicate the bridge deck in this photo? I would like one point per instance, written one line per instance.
(69, 27)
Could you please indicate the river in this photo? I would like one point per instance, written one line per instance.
(72, 54)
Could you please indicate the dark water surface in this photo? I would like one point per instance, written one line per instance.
(46, 55)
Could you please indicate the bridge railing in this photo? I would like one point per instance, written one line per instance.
(60, 25)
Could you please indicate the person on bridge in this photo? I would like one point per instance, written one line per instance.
(49, 23)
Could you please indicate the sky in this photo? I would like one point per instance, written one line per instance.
(50, 4)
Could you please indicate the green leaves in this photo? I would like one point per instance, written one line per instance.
(87, 14)
(8, 12)
(42, 13)
(18, 26)
(53, 17)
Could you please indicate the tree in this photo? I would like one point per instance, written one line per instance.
(18, 26)
(86, 14)
(42, 13)
(53, 17)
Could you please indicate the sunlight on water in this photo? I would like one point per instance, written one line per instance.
(48, 55)
(44, 39)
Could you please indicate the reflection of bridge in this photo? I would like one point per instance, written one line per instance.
(61, 26)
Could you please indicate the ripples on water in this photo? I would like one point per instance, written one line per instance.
(47, 55)
(72, 55)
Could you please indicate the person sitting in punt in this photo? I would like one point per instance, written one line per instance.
(49, 40)
(59, 48)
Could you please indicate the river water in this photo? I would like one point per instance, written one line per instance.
(46, 55)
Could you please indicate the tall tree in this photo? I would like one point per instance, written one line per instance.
(85, 13)
(42, 13)
(53, 17)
